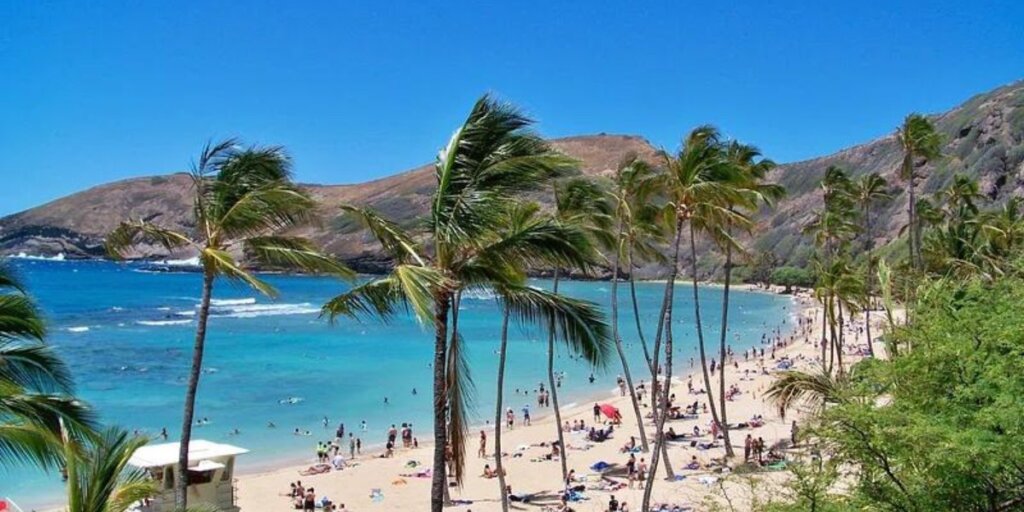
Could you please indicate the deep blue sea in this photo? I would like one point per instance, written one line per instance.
(127, 335)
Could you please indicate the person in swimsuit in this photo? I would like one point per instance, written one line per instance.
(309, 501)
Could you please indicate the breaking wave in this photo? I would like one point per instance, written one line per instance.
(157, 323)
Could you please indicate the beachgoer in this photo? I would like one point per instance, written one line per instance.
(613, 504)
(482, 452)
(597, 412)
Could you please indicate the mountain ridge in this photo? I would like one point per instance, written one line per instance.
(983, 137)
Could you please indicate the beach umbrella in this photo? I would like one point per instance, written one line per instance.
(611, 412)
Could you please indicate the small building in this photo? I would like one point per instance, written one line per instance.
(210, 473)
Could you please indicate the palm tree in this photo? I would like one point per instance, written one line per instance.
(866, 191)
(580, 204)
(919, 141)
(242, 198)
(698, 185)
(490, 161)
(530, 305)
(35, 385)
(838, 288)
(641, 231)
(750, 172)
(99, 477)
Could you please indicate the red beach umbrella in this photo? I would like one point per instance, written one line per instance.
(611, 412)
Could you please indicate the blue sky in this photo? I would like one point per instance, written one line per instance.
(96, 91)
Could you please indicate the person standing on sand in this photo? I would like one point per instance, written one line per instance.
(793, 431)
(597, 412)
(351, 446)
(482, 452)
(359, 446)
(747, 446)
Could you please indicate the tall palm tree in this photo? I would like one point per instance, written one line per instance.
(530, 305)
(490, 161)
(832, 228)
(919, 141)
(698, 184)
(581, 204)
(99, 477)
(750, 171)
(35, 385)
(867, 191)
(242, 199)
(641, 230)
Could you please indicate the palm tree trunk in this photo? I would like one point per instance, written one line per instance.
(664, 325)
(181, 484)
(498, 409)
(911, 214)
(622, 353)
(867, 279)
(722, 352)
(554, 391)
(824, 331)
(700, 329)
(439, 481)
(839, 346)
(636, 307)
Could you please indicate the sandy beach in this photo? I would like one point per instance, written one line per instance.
(353, 485)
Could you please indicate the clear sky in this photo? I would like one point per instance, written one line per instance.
(97, 91)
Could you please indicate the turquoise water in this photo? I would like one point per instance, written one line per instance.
(127, 335)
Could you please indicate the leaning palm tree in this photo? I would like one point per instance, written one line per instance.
(99, 476)
(919, 141)
(698, 184)
(580, 204)
(242, 200)
(641, 231)
(636, 223)
(867, 191)
(491, 160)
(35, 385)
(750, 172)
(530, 305)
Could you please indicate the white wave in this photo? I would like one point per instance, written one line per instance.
(157, 323)
(80, 328)
(187, 312)
(117, 308)
(478, 295)
(258, 310)
(163, 308)
(187, 262)
(24, 256)
(232, 302)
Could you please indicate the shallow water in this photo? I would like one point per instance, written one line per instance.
(127, 335)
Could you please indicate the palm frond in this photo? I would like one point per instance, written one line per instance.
(223, 264)
(99, 476)
(33, 366)
(9, 278)
(817, 389)
(29, 445)
(133, 233)
(396, 243)
(271, 207)
(578, 324)
(409, 285)
(294, 252)
(19, 318)
(460, 391)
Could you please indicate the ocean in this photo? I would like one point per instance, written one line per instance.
(127, 335)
